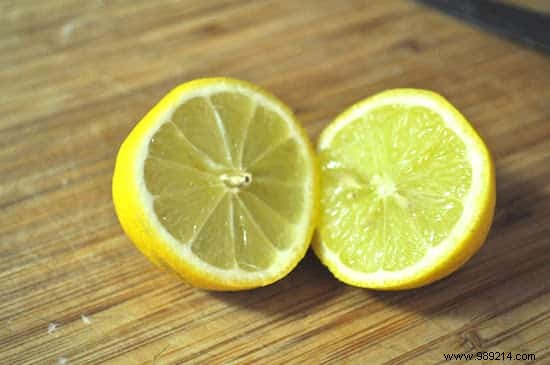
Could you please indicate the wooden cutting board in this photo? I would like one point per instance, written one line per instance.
(76, 76)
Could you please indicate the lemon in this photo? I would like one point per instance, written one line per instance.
(407, 191)
(219, 184)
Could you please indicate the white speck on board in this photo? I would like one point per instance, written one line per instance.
(52, 327)
(86, 319)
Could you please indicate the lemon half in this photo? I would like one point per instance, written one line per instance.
(407, 191)
(219, 184)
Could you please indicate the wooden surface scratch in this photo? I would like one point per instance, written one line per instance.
(75, 77)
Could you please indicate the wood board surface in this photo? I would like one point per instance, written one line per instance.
(75, 76)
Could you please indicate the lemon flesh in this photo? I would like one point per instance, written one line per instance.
(406, 191)
(228, 185)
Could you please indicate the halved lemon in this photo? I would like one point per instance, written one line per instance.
(218, 183)
(407, 191)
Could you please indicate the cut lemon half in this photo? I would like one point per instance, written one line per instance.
(218, 183)
(407, 191)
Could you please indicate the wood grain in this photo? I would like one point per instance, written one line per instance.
(75, 77)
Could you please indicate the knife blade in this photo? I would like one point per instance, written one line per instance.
(520, 24)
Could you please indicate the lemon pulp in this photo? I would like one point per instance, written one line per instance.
(389, 192)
